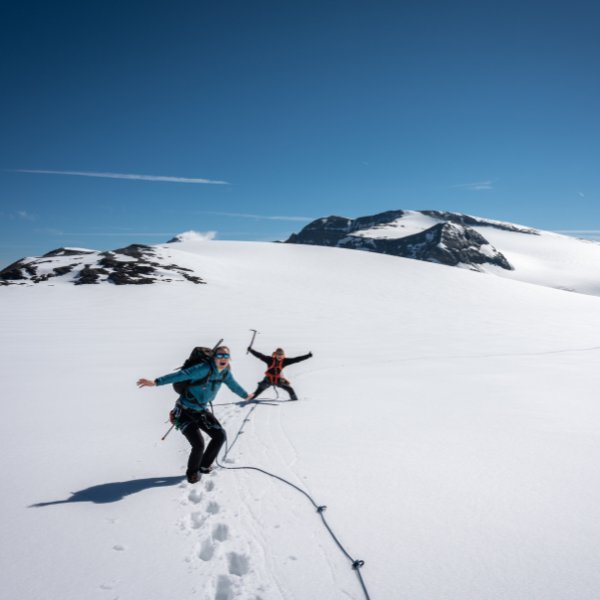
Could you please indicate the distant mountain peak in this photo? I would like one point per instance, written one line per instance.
(136, 264)
(69, 252)
(433, 236)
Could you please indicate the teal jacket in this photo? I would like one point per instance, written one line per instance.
(199, 396)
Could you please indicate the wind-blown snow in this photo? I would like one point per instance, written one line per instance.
(194, 236)
(448, 420)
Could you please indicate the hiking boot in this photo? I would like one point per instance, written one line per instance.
(206, 470)
(193, 476)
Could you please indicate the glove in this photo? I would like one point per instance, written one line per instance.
(174, 415)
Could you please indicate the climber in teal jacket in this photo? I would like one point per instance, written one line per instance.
(190, 414)
(199, 396)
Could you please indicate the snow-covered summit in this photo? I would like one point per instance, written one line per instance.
(135, 264)
(466, 241)
(440, 237)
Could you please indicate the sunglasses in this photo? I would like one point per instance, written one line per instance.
(222, 355)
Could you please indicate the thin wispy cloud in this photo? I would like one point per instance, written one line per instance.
(260, 217)
(475, 186)
(586, 231)
(191, 235)
(581, 194)
(591, 235)
(49, 231)
(130, 176)
(18, 215)
(130, 234)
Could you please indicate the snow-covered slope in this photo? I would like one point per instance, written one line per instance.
(504, 249)
(133, 265)
(484, 245)
(449, 421)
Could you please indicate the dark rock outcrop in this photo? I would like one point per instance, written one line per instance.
(136, 264)
(450, 241)
(445, 243)
(329, 231)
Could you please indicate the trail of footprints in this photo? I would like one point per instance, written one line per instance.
(214, 539)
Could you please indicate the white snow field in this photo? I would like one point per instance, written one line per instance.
(448, 420)
(540, 257)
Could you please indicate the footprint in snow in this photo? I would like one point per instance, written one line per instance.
(220, 532)
(224, 588)
(238, 564)
(107, 587)
(209, 486)
(198, 519)
(207, 550)
(195, 496)
(213, 508)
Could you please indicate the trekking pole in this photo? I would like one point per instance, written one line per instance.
(168, 432)
(252, 340)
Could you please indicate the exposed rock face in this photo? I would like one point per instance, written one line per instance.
(475, 222)
(133, 265)
(329, 231)
(446, 238)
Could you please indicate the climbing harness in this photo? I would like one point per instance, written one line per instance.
(273, 373)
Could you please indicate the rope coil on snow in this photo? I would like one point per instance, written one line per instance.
(320, 508)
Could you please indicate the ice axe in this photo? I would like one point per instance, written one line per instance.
(168, 432)
(252, 340)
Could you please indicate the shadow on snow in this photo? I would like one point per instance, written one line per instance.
(114, 492)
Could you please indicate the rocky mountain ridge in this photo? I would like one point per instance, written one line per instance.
(442, 237)
(494, 247)
(136, 264)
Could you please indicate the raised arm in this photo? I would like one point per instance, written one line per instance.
(263, 357)
(195, 372)
(296, 359)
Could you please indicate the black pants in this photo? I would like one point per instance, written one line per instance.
(190, 424)
(282, 383)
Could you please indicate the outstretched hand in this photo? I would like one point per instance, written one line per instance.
(249, 397)
(145, 383)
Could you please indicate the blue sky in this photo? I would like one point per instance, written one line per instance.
(251, 118)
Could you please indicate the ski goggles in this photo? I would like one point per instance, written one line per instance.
(221, 355)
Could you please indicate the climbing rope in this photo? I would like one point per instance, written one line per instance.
(356, 564)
